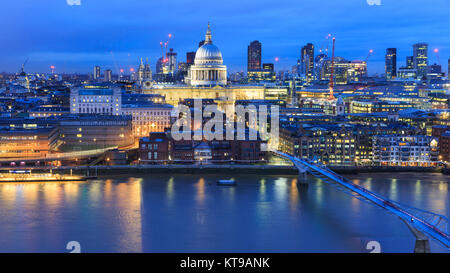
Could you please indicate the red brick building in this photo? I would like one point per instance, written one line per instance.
(442, 132)
(154, 149)
(444, 145)
(160, 148)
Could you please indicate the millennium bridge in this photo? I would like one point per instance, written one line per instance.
(423, 224)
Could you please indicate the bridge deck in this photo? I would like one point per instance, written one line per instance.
(431, 224)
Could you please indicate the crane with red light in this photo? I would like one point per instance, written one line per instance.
(437, 56)
(164, 48)
(368, 55)
(326, 42)
(332, 71)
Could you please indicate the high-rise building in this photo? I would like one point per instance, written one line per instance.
(171, 61)
(420, 54)
(254, 56)
(448, 71)
(108, 75)
(160, 64)
(266, 74)
(190, 57)
(307, 61)
(97, 72)
(435, 72)
(409, 62)
(391, 63)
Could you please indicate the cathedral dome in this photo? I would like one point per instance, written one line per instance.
(208, 53)
(208, 68)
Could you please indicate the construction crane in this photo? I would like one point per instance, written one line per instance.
(114, 62)
(326, 42)
(164, 48)
(332, 72)
(437, 56)
(23, 65)
(368, 55)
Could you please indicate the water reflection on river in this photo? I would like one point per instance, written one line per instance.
(190, 213)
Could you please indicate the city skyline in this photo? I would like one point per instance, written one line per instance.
(112, 40)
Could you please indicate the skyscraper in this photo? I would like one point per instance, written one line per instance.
(254, 56)
(172, 61)
(190, 57)
(448, 71)
(410, 62)
(160, 64)
(420, 55)
(97, 72)
(391, 63)
(108, 75)
(307, 61)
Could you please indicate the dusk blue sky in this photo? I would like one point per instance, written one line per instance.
(74, 38)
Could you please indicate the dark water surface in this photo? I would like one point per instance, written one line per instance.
(190, 213)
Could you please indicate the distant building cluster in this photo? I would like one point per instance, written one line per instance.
(331, 110)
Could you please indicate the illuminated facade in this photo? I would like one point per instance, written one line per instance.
(331, 146)
(27, 142)
(370, 106)
(49, 110)
(420, 59)
(413, 151)
(148, 118)
(307, 61)
(95, 100)
(208, 68)
(254, 56)
(267, 74)
(95, 131)
(391, 63)
(344, 71)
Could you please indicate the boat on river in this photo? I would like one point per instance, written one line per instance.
(226, 182)
(28, 176)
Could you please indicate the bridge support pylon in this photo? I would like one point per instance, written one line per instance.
(302, 178)
(422, 244)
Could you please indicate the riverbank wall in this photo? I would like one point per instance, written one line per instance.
(222, 169)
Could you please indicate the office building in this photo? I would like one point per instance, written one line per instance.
(448, 71)
(108, 75)
(267, 74)
(85, 132)
(391, 63)
(95, 99)
(97, 72)
(190, 58)
(420, 58)
(254, 56)
(161, 148)
(307, 61)
(171, 57)
(405, 151)
(148, 117)
(27, 142)
(410, 62)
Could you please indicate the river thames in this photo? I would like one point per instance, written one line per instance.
(190, 213)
